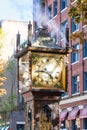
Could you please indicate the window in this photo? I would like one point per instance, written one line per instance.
(55, 7)
(36, 25)
(20, 127)
(85, 81)
(63, 29)
(63, 33)
(74, 26)
(63, 4)
(73, 124)
(63, 124)
(50, 11)
(75, 84)
(85, 123)
(75, 55)
(42, 3)
(85, 49)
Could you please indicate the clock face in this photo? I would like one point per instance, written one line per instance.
(48, 70)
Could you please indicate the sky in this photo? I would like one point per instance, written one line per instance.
(20, 10)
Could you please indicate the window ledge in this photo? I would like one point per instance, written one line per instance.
(76, 94)
(75, 62)
(85, 58)
(85, 91)
(64, 97)
(54, 16)
(50, 20)
(84, 26)
(73, 2)
(75, 31)
(63, 9)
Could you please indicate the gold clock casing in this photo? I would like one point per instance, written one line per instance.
(48, 71)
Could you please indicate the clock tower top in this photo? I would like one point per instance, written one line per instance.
(42, 63)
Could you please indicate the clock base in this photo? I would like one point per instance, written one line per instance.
(44, 106)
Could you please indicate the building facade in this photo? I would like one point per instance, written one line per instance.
(73, 104)
(11, 28)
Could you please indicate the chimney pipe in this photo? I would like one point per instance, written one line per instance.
(29, 33)
(18, 42)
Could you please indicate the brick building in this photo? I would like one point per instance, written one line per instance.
(73, 104)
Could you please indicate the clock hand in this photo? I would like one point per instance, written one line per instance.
(45, 72)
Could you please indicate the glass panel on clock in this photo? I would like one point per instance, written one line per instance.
(48, 71)
(23, 73)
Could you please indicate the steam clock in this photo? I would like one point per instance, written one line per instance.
(41, 80)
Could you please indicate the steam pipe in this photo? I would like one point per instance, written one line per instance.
(18, 42)
(29, 33)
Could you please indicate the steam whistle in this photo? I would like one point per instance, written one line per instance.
(29, 33)
(18, 42)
